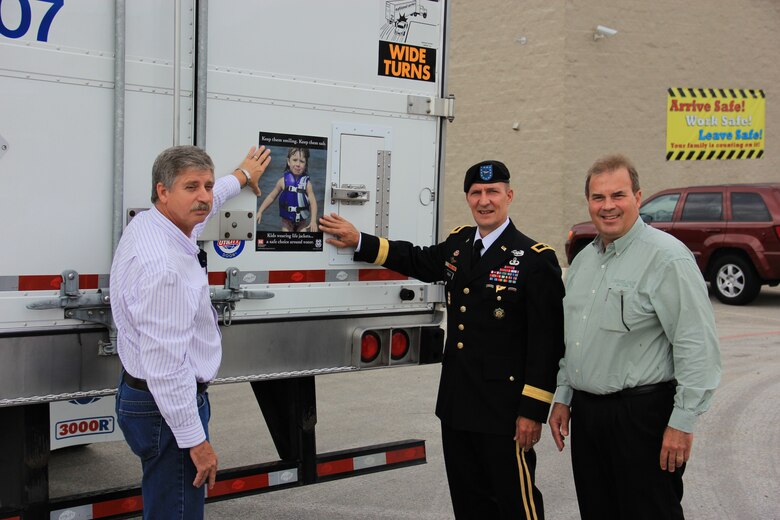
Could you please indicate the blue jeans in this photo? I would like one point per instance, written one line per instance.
(168, 471)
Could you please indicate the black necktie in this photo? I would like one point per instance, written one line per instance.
(475, 254)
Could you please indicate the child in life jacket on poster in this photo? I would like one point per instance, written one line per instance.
(297, 203)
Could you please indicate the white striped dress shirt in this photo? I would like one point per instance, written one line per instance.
(167, 328)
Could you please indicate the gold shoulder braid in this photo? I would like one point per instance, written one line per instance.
(457, 230)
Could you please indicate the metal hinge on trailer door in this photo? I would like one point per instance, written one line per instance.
(431, 106)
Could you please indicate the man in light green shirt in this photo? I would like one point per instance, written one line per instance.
(642, 357)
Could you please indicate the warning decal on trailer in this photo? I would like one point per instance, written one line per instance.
(408, 38)
(407, 61)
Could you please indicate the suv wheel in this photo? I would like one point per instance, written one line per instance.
(734, 280)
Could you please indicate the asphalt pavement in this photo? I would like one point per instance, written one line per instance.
(733, 472)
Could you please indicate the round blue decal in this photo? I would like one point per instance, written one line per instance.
(228, 248)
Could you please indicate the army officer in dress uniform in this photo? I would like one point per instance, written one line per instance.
(504, 341)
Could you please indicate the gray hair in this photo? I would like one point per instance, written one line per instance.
(610, 163)
(171, 162)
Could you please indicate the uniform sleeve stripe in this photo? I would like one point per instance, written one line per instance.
(384, 248)
(538, 393)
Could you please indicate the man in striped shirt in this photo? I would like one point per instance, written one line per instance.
(168, 338)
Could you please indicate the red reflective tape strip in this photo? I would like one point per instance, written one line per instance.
(47, 282)
(335, 467)
(217, 278)
(406, 454)
(238, 485)
(304, 276)
(117, 506)
(379, 275)
(10, 518)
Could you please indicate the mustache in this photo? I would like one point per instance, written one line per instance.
(201, 207)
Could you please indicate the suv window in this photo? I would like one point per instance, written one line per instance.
(748, 207)
(703, 207)
(660, 209)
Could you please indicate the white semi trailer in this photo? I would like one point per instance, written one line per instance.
(90, 92)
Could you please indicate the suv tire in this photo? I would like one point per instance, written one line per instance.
(734, 280)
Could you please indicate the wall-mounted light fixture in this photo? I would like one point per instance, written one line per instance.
(602, 32)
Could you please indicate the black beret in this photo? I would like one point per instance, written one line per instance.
(486, 172)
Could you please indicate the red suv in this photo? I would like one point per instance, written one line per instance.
(733, 231)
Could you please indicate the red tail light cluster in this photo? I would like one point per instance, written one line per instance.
(370, 346)
(382, 346)
(399, 345)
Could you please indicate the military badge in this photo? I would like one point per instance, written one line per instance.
(456, 253)
(486, 172)
(540, 246)
(499, 313)
(505, 275)
(514, 261)
(518, 253)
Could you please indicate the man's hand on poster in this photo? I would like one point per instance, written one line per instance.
(342, 229)
(256, 162)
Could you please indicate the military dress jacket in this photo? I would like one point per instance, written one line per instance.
(504, 324)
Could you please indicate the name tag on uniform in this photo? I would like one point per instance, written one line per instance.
(451, 269)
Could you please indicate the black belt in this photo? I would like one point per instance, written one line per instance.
(140, 384)
(633, 391)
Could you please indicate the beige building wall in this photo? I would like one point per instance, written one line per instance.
(535, 62)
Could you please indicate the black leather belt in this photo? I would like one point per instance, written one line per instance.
(630, 392)
(140, 384)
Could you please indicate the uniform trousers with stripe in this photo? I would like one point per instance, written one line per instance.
(616, 449)
(490, 477)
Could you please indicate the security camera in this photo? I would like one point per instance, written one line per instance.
(602, 31)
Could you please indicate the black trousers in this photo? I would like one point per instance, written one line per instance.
(616, 448)
(490, 477)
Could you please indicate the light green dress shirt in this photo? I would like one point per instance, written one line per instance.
(638, 313)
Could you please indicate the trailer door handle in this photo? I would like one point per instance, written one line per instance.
(352, 194)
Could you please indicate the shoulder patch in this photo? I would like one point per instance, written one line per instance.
(457, 230)
(541, 246)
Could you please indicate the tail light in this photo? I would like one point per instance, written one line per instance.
(777, 232)
(399, 345)
(370, 346)
(571, 233)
